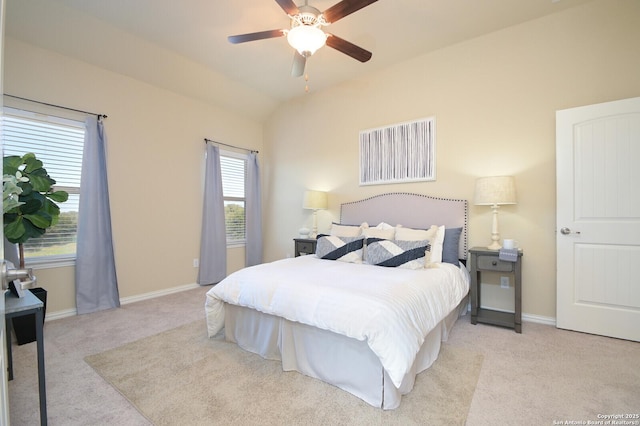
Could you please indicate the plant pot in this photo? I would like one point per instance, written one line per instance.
(25, 326)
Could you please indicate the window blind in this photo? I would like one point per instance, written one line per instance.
(58, 143)
(233, 178)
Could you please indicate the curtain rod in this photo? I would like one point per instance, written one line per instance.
(57, 106)
(230, 146)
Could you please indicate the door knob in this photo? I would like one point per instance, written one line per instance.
(7, 275)
(567, 231)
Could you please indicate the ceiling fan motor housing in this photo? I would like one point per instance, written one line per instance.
(308, 15)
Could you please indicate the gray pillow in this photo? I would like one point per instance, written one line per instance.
(450, 245)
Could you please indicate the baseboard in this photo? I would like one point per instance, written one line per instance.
(539, 319)
(159, 293)
(51, 316)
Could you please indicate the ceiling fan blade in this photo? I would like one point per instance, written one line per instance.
(299, 62)
(288, 6)
(350, 49)
(344, 8)
(242, 38)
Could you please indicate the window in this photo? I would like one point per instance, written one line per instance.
(58, 143)
(233, 167)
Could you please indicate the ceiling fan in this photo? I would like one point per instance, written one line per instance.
(306, 34)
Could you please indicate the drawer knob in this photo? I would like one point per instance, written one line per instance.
(494, 263)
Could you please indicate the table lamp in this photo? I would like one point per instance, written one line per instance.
(495, 191)
(314, 200)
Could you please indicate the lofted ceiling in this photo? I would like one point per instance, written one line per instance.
(182, 45)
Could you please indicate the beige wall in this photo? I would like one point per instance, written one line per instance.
(494, 99)
(155, 160)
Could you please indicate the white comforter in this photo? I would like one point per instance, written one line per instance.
(393, 309)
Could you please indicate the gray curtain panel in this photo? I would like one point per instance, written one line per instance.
(253, 212)
(96, 279)
(213, 239)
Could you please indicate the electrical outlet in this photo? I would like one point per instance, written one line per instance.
(196, 263)
(504, 282)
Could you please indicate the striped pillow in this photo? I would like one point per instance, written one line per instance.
(397, 253)
(344, 249)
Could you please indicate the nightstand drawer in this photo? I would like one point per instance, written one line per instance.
(492, 263)
(306, 247)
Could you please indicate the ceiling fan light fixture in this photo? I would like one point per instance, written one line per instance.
(306, 39)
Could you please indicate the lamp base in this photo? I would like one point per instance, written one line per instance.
(495, 235)
(494, 246)
(314, 231)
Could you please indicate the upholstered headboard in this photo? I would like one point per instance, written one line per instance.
(410, 210)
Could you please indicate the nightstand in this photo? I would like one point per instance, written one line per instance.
(304, 246)
(483, 259)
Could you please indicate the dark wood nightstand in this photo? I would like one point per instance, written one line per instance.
(483, 259)
(305, 246)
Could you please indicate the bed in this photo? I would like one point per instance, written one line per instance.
(365, 328)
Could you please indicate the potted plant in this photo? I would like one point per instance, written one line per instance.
(29, 200)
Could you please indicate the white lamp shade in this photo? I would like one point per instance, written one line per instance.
(314, 200)
(495, 190)
(306, 39)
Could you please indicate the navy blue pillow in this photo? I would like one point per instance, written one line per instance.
(450, 245)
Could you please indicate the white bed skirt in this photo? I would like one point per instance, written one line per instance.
(341, 361)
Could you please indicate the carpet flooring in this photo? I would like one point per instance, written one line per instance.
(543, 376)
(181, 377)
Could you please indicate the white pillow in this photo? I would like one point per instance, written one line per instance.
(347, 230)
(409, 234)
(383, 225)
(435, 235)
(436, 246)
(385, 234)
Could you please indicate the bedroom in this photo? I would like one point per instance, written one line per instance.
(494, 98)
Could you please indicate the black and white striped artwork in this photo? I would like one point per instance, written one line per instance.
(402, 152)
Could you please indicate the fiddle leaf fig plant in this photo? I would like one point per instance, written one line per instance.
(29, 199)
(11, 191)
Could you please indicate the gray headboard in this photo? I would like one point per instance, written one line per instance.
(410, 210)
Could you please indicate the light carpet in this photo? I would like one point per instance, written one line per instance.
(181, 377)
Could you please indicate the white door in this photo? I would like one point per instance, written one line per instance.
(4, 397)
(4, 384)
(598, 219)
(4, 391)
